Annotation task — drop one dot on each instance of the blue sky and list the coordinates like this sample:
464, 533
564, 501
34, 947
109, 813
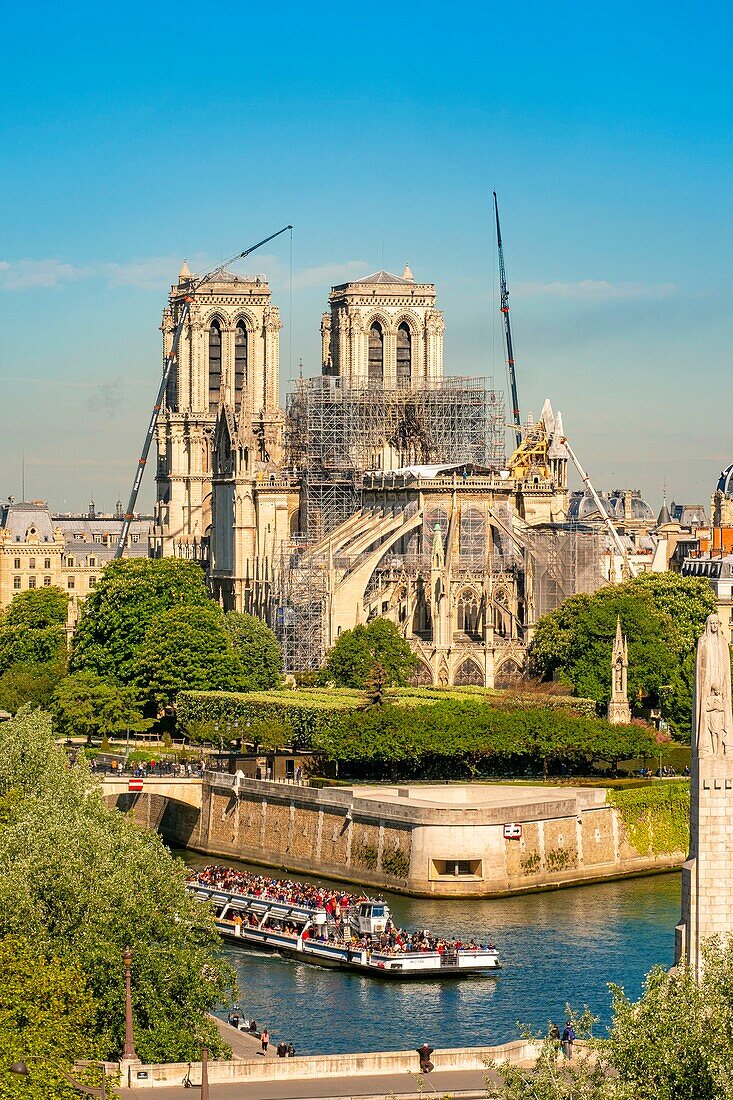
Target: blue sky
134, 135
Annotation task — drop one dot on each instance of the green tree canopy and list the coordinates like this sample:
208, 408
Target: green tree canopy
187, 647
130, 596
33, 628
674, 1043
83, 882
30, 683
85, 705
661, 614
356, 652
46, 1020
257, 650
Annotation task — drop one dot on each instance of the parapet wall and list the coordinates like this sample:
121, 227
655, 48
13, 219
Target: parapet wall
327, 1065
394, 838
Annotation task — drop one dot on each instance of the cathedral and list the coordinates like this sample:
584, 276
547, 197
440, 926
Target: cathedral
381, 490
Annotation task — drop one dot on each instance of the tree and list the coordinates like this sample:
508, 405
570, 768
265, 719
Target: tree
130, 596
187, 647
662, 616
257, 649
83, 882
674, 1043
46, 1020
30, 683
86, 705
357, 651
33, 629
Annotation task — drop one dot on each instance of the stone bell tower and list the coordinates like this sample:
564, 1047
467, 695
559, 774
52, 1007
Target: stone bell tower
228, 355
707, 876
619, 711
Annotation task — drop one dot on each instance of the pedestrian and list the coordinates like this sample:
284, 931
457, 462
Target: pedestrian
291, 1050
282, 1049
424, 1053
265, 1040
555, 1036
568, 1038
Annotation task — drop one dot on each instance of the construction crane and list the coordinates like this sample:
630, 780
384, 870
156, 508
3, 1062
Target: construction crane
516, 418
192, 287
628, 567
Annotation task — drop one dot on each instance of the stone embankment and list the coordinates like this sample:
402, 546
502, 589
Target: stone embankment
326, 1066
473, 840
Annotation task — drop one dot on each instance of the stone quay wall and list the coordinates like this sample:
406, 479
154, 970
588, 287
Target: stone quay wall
393, 840
325, 1065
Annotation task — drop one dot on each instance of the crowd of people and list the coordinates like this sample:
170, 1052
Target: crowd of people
338, 905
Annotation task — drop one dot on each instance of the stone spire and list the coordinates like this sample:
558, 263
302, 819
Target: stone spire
619, 711
184, 273
664, 516
407, 274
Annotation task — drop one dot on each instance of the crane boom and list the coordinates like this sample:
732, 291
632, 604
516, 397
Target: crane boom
504, 307
628, 565
183, 313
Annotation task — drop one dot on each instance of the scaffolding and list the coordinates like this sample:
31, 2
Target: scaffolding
566, 561
336, 432
300, 612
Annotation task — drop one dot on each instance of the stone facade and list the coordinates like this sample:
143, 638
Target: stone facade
383, 330
447, 841
39, 549
228, 357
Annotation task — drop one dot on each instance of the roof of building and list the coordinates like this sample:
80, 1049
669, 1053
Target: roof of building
384, 277
725, 481
689, 515
24, 518
664, 516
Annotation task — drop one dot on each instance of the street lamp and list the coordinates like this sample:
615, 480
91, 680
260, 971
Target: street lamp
129, 1051
21, 1069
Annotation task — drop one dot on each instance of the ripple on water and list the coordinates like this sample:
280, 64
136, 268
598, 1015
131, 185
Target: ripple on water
556, 947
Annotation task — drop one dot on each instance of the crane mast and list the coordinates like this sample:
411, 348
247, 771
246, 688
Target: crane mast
628, 566
516, 418
183, 313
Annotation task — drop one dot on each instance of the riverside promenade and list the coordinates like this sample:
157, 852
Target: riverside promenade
461, 1073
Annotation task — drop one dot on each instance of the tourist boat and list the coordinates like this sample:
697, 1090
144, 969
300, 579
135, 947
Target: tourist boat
301, 932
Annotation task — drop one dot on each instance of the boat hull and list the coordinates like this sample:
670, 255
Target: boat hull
335, 958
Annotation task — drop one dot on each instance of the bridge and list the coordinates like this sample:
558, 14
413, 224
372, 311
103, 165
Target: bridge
173, 788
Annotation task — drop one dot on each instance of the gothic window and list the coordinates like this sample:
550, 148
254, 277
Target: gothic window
473, 537
376, 354
404, 356
240, 359
469, 674
171, 388
214, 365
502, 617
469, 613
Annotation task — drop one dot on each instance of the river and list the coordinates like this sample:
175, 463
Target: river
556, 947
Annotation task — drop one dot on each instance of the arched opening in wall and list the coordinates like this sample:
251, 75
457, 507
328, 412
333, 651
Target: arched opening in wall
473, 537
468, 675
422, 676
508, 674
214, 365
421, 624
468, 614
502, 616
240, 359
404, 356
376, 354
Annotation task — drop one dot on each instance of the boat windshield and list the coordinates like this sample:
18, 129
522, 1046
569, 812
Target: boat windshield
378, 911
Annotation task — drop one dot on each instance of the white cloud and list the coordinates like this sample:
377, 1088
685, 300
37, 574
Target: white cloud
329, 274
35, 274
597, 290
158, 272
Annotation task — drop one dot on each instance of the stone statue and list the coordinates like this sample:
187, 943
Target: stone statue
711, 730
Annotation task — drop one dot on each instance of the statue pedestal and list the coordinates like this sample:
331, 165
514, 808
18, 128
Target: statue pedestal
707, 876
619, 712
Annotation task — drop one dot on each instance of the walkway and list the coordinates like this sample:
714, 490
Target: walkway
458, 1084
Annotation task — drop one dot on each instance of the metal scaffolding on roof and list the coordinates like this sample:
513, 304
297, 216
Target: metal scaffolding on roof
301, 605
336, 432
566, 561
